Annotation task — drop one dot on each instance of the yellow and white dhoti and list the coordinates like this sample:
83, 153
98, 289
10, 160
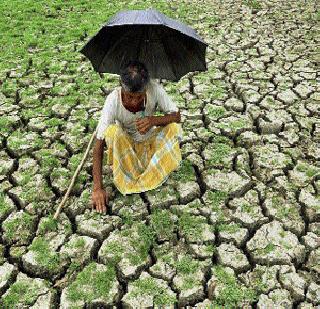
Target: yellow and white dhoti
144, 165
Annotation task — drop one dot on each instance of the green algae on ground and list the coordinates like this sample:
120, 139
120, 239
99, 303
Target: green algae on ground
31, 193
188, 283
63, 26
246, 207
216, 199
267, 249
195, 204
137, 241
204, 133
54, 122
187, 270
7, 124
92, 124
194, 104
47, 160
229, 228
48, 224
168, 193
74, 266
44, 256
287, 212
162, 223
210, 248
219, 153
4, 206
73, 163
149, 286
9, 87
116, 249
309, 170
284, 210
191, 226
127, 217
17, 252
79, 242
91, 283
253, 4
216, 93
20, 292
61, 176
187, 265
221, 139
18, 227
231, 294
26, 177
42, 111
215, 112
141, 244
19, 139
185, 172
234, 124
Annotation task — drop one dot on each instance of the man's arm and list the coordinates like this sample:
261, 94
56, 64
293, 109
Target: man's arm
99, 196
164, 120
97, 163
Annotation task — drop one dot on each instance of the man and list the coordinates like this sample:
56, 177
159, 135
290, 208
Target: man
141, 150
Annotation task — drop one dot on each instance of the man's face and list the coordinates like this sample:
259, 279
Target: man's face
133, 98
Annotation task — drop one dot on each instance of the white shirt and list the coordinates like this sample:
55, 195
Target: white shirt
114, 112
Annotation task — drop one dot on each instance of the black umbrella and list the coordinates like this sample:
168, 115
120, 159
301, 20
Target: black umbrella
169, 48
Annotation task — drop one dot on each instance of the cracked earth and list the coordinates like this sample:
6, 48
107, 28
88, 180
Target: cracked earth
238, 225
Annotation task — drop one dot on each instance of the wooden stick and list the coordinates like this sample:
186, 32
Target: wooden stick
75, 175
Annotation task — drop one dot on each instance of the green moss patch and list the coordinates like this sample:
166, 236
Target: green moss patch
48, 224
191, 226
162, 223
232, 294
18, 228
21, 292
141, 244
150, 286
92, 283
185, 172
44, 256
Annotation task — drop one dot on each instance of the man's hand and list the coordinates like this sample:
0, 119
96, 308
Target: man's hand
144, 124
100, 200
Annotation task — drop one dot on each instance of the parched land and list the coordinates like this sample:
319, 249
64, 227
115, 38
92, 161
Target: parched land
238, 225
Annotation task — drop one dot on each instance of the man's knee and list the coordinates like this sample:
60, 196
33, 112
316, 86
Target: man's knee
118, 128
113, 128
119, 132
110, 132
175, 128
172, 126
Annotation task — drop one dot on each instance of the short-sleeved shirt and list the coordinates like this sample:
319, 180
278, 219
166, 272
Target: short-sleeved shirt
114, 112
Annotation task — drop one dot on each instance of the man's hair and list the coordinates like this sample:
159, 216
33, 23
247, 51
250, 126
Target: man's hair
134, 76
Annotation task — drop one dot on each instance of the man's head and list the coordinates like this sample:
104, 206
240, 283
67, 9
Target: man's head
134, 76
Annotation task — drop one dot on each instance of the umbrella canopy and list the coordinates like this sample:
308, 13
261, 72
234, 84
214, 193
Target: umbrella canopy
167, 47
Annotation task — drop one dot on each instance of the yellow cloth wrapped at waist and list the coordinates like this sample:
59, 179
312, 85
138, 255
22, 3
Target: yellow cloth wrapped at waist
145, 165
